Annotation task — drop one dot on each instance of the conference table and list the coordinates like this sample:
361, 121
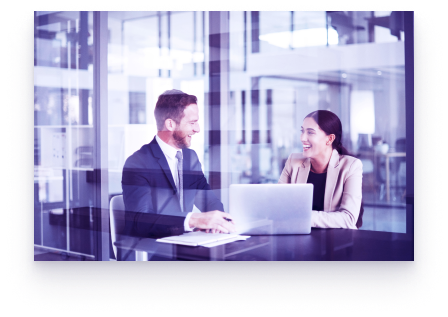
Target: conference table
320, 245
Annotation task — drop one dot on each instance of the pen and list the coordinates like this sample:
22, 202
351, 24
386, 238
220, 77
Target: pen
228, 219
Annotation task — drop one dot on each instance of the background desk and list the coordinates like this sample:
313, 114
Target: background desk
375, 158
320, 245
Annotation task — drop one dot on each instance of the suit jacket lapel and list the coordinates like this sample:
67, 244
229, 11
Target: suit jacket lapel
304, 171
157, 152
332, 178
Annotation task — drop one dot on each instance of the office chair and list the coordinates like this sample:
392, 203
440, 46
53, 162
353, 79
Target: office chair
117, 231
117, 220
400, 164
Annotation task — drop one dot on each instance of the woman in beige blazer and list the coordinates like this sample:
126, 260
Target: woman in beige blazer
336, 175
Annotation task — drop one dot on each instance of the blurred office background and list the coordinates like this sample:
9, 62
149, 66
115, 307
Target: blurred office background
256, 76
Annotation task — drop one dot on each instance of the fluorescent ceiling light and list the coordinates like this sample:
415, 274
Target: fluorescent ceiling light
362, 113
302, 38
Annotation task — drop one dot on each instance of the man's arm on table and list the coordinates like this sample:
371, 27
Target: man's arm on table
213, 216
150, 224
142, 220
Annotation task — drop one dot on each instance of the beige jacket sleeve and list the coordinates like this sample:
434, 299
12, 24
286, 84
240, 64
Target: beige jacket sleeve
346, 202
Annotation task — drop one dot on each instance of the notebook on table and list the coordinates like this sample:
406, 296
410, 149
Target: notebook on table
265, 209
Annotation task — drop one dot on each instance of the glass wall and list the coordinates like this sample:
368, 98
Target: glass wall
275, 68
63, 132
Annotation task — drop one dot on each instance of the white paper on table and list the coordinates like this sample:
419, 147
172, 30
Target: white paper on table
198, 238
214, 244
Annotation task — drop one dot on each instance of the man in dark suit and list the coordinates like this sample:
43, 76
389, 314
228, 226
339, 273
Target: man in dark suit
163, 179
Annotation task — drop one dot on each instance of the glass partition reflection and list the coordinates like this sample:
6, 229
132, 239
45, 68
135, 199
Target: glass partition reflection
282, 66
351, 63
63, 133
274, 69
150, 52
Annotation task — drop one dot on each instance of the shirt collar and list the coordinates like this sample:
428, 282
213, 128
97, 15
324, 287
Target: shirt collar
167, 149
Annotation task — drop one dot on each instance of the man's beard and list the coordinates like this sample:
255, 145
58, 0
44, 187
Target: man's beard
181, 139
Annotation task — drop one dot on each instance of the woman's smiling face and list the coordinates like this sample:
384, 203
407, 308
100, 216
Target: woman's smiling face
315, 141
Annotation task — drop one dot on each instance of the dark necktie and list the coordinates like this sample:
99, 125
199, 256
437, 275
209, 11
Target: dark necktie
180, 179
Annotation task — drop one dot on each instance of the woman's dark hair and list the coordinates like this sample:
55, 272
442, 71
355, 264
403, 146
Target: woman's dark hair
330, 124
171, 105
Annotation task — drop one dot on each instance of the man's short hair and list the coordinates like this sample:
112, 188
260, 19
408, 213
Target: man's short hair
171, 105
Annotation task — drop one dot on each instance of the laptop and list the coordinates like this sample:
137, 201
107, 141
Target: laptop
261, 209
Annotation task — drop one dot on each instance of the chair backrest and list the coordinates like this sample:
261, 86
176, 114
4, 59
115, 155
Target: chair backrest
361, 213
400, 145
117, 219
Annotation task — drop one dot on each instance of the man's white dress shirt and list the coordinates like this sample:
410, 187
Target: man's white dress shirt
170, 154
